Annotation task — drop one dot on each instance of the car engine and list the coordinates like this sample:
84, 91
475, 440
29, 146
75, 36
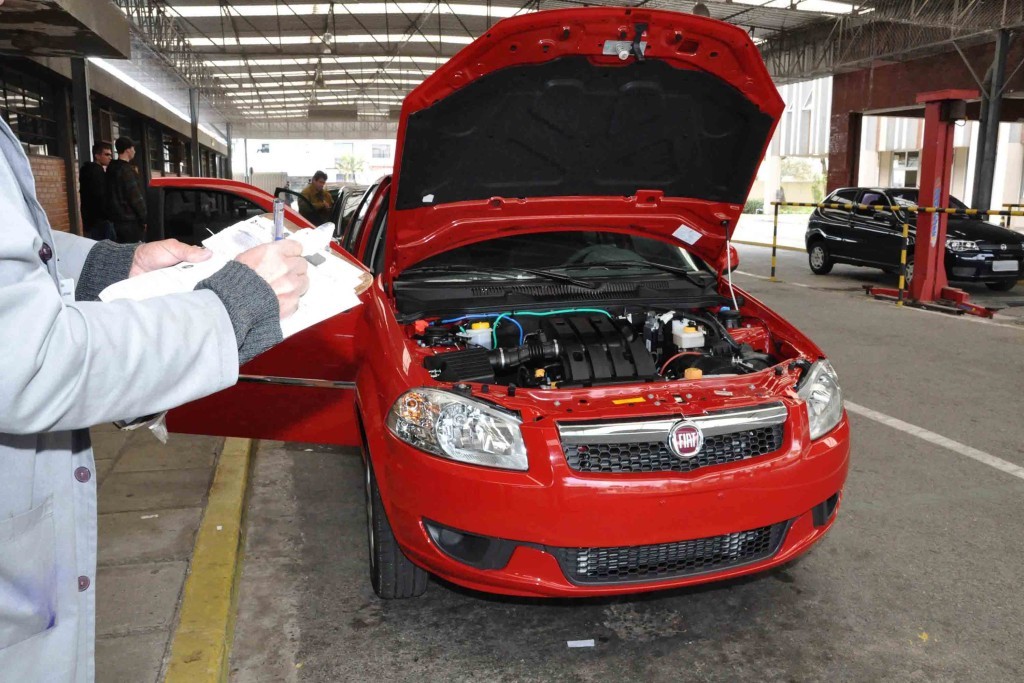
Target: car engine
592, 347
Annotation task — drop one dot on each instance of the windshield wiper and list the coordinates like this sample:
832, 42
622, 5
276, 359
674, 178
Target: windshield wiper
558, 277
642, 263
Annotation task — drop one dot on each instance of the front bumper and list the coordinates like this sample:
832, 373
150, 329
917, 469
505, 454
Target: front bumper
979, 267
548, 515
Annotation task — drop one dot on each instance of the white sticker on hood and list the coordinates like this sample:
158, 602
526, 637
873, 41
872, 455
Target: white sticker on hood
685, 233
428, 198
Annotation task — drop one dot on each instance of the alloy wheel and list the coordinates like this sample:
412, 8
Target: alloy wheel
817, 256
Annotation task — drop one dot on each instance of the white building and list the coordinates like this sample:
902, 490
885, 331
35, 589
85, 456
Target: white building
890, 150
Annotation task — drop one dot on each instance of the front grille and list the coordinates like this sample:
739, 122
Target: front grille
1013, 248
662, 561
654, 456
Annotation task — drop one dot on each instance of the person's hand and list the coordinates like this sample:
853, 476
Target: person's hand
282, 266
155, 255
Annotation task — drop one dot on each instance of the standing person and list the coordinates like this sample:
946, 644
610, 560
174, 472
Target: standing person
318, 198
126, 204
92, 188
69, 361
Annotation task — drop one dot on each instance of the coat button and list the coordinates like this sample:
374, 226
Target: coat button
83, 474
45, 253
83, 583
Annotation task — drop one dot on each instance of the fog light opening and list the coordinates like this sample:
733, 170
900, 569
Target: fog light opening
482, 552
822, 513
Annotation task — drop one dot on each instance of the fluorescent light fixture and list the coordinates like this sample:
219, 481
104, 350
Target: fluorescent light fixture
287, 9
305, 74
149, 94
297, 61
316, 40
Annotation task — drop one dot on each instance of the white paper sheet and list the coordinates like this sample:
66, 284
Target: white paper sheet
684, 233
333, 281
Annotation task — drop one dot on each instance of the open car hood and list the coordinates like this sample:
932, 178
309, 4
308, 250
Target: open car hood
650, 121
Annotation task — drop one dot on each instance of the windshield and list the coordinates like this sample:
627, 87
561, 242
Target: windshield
587, 254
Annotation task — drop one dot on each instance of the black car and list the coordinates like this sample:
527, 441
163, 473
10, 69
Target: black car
976, 251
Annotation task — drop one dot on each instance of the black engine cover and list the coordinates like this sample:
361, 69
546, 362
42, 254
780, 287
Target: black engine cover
595, 348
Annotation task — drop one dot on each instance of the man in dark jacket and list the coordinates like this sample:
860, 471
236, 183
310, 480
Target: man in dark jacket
92, 188
126, 204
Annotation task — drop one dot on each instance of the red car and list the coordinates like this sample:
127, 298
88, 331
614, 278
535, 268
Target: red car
556, 389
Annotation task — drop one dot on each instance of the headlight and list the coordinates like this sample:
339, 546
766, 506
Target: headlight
824, 399
961, 245
458, 428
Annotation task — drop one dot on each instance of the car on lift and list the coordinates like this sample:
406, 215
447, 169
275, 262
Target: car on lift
554, 385
863, 235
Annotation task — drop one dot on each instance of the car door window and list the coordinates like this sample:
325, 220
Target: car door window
193, 215
296, 202
840, 197
374, 255
869, 199
180, 215
345, 208
355, 228
219, 210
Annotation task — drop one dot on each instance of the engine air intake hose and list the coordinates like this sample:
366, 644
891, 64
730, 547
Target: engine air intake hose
532, 351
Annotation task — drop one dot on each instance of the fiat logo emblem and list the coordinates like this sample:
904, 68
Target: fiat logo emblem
1003, 247
685, 440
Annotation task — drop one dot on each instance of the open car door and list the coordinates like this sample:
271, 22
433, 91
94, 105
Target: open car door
303, 389
297, 202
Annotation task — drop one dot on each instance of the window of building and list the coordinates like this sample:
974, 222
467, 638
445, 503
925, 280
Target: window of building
167, 154
154, 148
904, 169
29, 105
381, 152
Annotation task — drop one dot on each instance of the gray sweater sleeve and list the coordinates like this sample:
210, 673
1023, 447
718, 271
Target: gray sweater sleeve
252, 306
107, 263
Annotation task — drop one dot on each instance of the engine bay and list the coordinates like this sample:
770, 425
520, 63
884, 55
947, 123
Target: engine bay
586, 347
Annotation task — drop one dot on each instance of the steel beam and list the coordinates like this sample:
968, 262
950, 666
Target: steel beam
988, 132
227, 136
81, 105
193, 112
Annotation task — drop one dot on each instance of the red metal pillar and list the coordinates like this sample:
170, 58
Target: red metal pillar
941, 111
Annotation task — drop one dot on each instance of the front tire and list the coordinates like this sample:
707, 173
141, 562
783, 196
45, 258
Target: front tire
819, 258
393, 576
1002, 285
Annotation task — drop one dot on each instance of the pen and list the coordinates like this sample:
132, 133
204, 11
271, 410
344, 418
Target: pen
278, 219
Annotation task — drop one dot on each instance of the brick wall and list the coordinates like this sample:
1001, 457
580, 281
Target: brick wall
51, 190
894, 88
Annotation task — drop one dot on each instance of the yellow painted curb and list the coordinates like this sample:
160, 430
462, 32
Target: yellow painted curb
201, 645
769, 245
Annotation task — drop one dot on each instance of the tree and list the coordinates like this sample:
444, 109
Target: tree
796, 168
349, 166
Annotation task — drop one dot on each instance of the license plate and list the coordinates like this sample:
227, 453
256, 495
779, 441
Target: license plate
1004, 266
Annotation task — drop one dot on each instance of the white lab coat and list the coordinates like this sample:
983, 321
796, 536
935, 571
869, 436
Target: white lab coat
65, 366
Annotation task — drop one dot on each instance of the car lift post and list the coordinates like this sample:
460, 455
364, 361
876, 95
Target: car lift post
929, 287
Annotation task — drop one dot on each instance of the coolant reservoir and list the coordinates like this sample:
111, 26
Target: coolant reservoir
478, 334
686, 336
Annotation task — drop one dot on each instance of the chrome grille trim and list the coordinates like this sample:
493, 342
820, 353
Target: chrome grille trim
649, 430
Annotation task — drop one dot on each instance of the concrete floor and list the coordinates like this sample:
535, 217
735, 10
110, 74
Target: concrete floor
918, 581
151, 498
